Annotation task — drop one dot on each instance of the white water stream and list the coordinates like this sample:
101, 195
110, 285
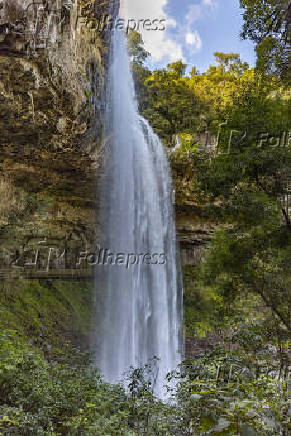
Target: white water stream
140, 306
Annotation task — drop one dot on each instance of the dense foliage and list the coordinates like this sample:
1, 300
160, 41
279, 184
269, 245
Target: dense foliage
219, 394
267, 23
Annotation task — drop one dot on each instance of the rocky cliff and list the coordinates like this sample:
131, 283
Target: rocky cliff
53, 62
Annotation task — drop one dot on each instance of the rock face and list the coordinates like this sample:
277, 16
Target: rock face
194, 227
53, 62
194, 233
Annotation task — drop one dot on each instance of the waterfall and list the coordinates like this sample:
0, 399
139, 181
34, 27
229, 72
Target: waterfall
138, 283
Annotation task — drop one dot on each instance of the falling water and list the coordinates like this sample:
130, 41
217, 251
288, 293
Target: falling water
139, 306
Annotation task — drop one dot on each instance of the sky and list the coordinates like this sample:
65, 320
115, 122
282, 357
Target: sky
194, 30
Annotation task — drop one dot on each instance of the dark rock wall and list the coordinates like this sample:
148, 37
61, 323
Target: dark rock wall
53, 62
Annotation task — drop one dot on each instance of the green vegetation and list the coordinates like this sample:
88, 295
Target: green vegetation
267, 23
51, 313
220, 394
233, 162
40, 397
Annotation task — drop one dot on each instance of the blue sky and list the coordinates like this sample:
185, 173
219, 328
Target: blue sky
195, 29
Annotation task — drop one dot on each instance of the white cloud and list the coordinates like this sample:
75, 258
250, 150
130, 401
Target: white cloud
158, 43
211, 3
194, 40
196, 11
194, 14
162, 46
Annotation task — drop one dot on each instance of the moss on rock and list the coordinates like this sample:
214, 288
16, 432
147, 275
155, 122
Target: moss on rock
49, 312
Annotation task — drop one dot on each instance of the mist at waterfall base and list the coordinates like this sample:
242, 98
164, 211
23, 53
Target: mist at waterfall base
139, 310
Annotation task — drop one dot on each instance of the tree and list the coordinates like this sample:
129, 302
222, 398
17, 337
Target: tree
136, 49
246, 185
140, 73
217, 87
172, 106
177, 67
267, 23
230, 62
